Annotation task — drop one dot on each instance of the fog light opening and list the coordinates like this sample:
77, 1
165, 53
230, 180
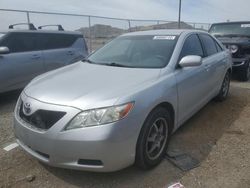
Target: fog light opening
90, 162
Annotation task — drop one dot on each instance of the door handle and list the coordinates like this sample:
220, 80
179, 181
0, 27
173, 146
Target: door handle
207, 67
36, 56
70, 53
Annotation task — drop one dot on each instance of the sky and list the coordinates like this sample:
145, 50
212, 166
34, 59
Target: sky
207, 11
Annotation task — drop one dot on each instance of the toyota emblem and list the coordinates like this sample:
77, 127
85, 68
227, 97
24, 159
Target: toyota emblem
26, 108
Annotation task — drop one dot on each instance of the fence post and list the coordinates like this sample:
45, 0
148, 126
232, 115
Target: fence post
90, 39
28, 17
129, 26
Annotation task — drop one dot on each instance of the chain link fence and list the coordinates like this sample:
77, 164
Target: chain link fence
96, 29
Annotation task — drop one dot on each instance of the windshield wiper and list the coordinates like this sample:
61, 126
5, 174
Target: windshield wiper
116, 64
107, 64
88, 61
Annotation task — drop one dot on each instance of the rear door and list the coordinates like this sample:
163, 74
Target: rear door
214, 63
58, 50
192, 82
22, 64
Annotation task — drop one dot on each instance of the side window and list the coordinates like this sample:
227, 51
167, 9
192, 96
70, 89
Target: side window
55, 41
209, 44
20, 42
219, 48
192, 46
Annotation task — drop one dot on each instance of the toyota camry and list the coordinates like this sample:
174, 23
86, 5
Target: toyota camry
119, 106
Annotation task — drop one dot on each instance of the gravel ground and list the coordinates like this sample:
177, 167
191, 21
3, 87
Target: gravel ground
206, 131
228, 165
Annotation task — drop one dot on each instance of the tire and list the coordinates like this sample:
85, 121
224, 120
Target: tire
244, 73
153, 139
224, 88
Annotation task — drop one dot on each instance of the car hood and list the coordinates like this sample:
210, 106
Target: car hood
85, 86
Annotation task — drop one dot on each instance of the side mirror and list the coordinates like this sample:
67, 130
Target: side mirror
191, 61
4, 50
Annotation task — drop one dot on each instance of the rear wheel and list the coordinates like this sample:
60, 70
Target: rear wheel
224, 88
153, 139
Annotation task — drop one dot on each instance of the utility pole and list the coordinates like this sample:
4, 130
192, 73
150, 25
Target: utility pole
179, 20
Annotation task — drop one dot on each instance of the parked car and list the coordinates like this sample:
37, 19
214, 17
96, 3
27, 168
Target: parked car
120, 105
24, 54
236, 37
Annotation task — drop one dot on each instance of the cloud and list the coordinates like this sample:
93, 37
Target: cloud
139, 9
216, 10
192, 10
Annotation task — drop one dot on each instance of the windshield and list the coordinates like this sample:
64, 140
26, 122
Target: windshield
136, 52
231, 29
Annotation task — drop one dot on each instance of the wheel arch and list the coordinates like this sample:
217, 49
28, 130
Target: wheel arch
169, 107
230, 71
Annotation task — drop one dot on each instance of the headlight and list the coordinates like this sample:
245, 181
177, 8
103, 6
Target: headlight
99, 116
233, 48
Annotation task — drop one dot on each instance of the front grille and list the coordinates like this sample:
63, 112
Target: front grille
41, 119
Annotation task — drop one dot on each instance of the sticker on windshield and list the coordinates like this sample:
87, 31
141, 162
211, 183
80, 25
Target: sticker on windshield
164, 38
245, 25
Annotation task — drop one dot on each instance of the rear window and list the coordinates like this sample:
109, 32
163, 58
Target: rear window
55, 41
209, 44
219, 48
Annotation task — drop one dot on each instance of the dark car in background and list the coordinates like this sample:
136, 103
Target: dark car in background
236, 37
25, 54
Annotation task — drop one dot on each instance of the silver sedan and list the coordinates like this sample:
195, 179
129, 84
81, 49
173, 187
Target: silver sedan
121, 105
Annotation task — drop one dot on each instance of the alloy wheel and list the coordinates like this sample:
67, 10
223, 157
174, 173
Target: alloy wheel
157, 138
225, 86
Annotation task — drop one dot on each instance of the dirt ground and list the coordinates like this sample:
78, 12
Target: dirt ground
218, 136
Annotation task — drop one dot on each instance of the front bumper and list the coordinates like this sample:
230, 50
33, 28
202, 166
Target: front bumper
239, 62
105, 148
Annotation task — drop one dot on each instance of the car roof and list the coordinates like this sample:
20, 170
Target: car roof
41, 31
238, 22
163, 32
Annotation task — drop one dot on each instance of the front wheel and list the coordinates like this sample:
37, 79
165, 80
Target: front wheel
153, 139
224, 88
